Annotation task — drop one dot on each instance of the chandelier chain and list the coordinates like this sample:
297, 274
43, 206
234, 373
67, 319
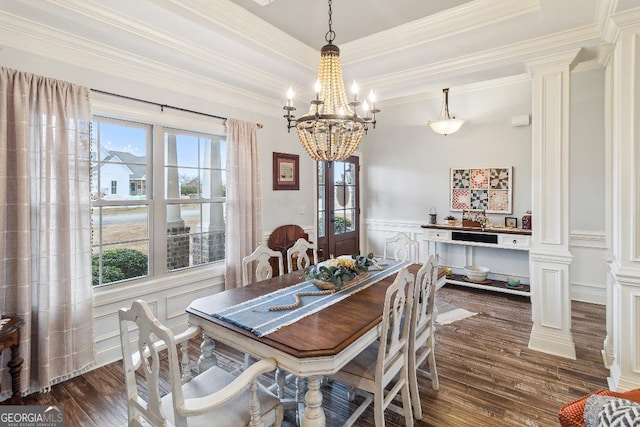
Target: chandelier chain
333, 127
331, 35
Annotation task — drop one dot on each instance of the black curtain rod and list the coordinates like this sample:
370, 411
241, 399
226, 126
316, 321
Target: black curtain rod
163, 106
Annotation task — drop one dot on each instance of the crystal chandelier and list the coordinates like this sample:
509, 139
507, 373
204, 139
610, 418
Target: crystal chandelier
446, 124
332, 128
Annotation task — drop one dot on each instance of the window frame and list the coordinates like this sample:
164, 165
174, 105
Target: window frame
105, 107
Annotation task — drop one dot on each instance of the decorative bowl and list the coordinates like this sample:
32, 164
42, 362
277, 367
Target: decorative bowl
512, 281
321, 284
475, 273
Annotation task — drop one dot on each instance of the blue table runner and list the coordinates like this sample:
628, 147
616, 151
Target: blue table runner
254, 315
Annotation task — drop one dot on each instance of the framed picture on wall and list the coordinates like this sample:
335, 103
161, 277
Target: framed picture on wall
482, 189
286, 171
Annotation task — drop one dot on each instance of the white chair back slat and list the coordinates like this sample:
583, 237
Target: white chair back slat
263, 271
404, 248
422, 341
299, 252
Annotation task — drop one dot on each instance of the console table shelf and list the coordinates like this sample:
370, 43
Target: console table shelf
515, 239
495, 285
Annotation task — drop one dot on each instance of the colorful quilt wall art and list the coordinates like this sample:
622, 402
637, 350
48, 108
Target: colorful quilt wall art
486, 189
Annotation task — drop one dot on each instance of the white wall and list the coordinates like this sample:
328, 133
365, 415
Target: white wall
587, 187
406, 170
407, 164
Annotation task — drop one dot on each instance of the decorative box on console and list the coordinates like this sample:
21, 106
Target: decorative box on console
476, 219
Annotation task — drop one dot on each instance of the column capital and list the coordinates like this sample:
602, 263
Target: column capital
605, 54
554, 61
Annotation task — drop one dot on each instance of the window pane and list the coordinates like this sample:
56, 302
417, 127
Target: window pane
339, 221
195, 234
119, 160
120, 243
349, 220
194, 166
321, 232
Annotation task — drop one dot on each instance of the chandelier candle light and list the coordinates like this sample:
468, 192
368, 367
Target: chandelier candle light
332, 128
446, 124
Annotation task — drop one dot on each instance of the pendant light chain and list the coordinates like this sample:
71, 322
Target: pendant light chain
333, 127
331, 35
446, 104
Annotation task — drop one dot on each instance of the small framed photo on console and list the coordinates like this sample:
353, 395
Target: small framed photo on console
511, 222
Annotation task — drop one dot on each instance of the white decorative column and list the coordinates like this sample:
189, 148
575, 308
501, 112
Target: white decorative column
625, 305
549, 257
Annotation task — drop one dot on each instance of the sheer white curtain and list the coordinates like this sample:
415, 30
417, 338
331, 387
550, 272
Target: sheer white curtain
244, 198
45, 225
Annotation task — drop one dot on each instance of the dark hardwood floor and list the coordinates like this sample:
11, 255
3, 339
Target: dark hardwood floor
488, 376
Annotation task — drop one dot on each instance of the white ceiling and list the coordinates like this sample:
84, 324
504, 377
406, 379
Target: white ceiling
248, 55
307, 20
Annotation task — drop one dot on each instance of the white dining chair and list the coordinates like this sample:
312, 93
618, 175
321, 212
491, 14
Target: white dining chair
403, 247
299, 252
263, 271
422, 333
215, 394
381, 370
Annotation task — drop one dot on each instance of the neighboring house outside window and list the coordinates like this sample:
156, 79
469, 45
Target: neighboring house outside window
163, 208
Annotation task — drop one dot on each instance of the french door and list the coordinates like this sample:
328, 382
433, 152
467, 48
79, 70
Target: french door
338, 208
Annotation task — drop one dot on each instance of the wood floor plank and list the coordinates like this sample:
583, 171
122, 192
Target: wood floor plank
488, 375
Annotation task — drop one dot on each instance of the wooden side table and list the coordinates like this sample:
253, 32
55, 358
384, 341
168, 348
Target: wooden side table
10, 338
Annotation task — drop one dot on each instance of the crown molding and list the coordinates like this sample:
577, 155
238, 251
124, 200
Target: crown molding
245, 26
482, 60
213, 59
471, 87
620, 22
35, 38
469, 16
604, 9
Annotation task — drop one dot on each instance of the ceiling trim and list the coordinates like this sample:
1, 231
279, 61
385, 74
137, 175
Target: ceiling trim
622, 21
480, 60
215, 60
471, 87
448, 23
244, 25
26, 35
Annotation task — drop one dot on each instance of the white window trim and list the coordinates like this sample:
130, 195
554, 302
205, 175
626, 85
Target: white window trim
114, 107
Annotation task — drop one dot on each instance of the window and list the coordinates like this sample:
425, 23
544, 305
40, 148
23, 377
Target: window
171, 215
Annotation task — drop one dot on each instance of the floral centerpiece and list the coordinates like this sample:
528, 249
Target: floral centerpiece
335, 273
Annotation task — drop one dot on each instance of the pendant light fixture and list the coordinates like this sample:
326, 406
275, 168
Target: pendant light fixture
446, 124
332, 128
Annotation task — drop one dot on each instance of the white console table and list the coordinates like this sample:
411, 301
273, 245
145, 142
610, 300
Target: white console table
501, 238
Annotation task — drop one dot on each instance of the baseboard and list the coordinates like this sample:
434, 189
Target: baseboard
588, 293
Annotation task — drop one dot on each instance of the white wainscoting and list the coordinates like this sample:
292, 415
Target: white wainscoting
588, 269
168, 296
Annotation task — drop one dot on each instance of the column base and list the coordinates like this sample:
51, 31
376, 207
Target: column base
552, 341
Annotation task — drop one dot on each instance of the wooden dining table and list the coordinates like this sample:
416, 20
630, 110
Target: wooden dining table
312, 347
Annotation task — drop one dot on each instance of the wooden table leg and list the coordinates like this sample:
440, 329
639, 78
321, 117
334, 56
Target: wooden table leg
313, 413
15, 366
